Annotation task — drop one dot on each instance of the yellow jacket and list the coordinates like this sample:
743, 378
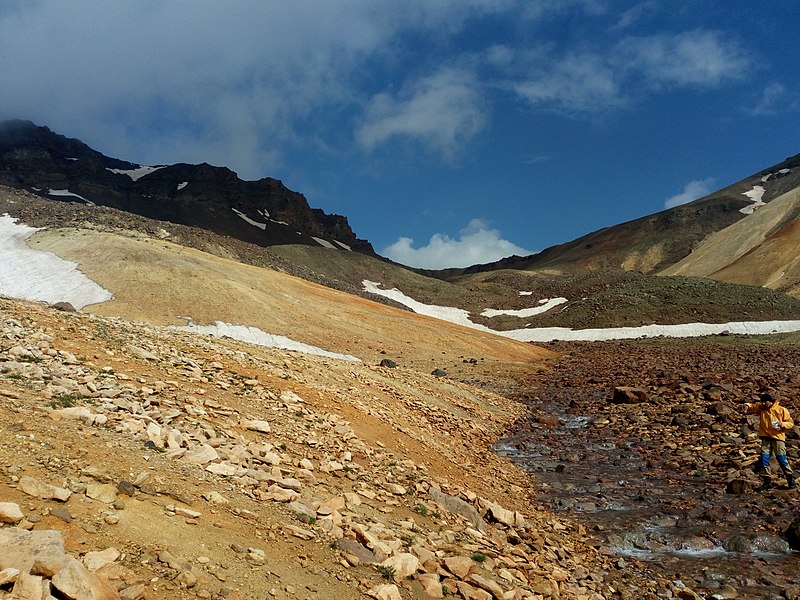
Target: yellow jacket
775, 414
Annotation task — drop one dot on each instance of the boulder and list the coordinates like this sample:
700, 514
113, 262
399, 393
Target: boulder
629, 395
10, 513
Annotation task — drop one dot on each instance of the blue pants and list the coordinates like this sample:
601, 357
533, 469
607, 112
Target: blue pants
778, 448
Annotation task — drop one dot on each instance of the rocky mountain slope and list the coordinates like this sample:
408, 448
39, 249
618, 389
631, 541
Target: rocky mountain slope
745, 233
176, 466
262, 212
603, 298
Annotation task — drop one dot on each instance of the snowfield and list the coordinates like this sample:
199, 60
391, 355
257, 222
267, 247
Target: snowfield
549, 334
32, 275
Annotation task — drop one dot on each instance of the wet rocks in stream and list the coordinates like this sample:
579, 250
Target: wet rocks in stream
646, 442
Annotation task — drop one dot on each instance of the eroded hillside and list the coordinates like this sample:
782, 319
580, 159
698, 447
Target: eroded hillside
215, 469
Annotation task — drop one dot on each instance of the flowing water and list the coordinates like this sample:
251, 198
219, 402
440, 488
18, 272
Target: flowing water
685, 526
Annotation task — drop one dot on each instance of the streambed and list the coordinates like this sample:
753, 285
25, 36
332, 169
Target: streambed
653, 493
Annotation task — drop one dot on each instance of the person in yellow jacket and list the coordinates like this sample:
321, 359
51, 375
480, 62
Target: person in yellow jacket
773, 422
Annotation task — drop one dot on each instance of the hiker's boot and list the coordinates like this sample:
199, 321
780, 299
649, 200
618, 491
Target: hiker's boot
790, 483
766, 484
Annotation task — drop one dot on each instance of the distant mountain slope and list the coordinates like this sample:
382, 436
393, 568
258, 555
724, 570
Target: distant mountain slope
601, 298
663, 242
763, 249
263, 212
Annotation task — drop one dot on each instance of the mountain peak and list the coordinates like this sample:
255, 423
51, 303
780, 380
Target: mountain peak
263, 212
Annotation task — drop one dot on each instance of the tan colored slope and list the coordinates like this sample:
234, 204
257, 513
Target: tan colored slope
774, 264
719, 254
158, 282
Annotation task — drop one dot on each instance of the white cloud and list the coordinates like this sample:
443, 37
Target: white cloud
577, 83
231, 83
773, 99
477, 244
701, 58
599, 78
635, 14
691, 191
444, 110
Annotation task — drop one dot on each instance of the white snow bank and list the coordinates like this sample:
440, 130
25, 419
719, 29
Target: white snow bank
33, 275
548, 334
544, 306
254, 335
67, 193
755, 195
249, 220
324, 243
445, 313
343, 245
137, 173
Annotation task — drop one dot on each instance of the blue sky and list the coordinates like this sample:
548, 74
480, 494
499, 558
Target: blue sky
449, 132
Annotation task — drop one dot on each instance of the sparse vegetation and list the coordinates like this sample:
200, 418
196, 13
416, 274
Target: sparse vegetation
64, 400
386, 572
478, 557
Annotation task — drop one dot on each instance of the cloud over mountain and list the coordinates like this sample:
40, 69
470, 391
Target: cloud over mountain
477, 243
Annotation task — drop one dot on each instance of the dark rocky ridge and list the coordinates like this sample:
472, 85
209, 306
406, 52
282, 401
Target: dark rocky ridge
36, 159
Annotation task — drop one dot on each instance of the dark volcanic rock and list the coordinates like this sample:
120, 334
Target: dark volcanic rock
263, 212
629, 395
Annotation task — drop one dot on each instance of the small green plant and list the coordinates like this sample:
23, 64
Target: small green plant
30, 359
437, 515
348, 469
16, 377
407, 540
386, 572
478, 557
421, 509
63, 401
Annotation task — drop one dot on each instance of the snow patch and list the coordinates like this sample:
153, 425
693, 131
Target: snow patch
549, 334
182, 185
42, 276
544, 305
343, 245
249, 220
254, 335
68, 194
755, 196
137, 173
445, 313
324, 243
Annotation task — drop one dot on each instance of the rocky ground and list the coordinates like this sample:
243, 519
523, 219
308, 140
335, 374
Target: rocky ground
646, 443
142, 462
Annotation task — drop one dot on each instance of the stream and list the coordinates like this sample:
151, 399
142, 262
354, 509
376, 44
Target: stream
684, 525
